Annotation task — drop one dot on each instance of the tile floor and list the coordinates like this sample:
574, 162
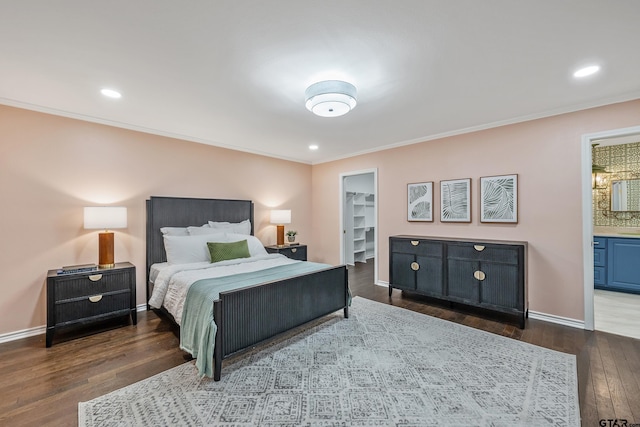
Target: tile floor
617, 313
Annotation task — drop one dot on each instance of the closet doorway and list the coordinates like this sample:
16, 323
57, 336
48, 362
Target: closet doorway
359, 217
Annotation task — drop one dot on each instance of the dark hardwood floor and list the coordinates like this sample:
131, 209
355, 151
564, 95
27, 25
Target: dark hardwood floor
42, 386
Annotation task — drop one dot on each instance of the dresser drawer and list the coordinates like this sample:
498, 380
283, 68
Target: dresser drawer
76, 286
483, 252
85, 308
417, 247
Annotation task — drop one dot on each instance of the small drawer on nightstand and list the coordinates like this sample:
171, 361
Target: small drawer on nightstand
87, 307
298, 252
75, 286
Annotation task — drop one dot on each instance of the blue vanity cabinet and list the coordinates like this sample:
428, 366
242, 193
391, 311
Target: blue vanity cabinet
599, 262
623, 265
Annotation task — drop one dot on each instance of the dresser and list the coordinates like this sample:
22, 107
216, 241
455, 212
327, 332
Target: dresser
90, 297
488, 276
615, 264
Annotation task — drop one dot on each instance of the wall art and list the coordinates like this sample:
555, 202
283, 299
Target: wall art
499, 198
420, 201
455, 200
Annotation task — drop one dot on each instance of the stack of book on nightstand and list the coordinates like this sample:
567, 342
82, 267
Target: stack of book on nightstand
80, 268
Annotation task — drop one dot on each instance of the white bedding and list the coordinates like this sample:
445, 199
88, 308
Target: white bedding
172, 281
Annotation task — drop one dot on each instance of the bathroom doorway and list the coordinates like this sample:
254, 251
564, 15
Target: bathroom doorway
606, 309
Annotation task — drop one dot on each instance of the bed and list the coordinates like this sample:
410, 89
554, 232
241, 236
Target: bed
252, 314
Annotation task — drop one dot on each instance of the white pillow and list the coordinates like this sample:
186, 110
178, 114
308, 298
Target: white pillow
243, 227
179, 231
255, 245
198, 231
187, 249
174, 231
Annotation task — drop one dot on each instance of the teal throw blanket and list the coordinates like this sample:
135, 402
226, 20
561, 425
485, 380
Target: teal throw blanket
198, 330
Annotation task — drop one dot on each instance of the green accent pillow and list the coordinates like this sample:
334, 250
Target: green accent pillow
224, 251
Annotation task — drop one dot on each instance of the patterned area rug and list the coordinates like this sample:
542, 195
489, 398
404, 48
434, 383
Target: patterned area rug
384, 366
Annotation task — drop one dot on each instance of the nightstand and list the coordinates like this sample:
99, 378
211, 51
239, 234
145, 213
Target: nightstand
298, 252
87, 297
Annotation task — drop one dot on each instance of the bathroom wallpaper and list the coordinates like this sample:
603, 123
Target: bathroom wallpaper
623, 162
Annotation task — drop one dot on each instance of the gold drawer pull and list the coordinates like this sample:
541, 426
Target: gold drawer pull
95, 277
478, 248
479, 275
95, 298
415, 266
415, 242
294, 250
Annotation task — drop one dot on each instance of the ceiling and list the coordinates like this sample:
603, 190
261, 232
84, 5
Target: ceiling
233, 73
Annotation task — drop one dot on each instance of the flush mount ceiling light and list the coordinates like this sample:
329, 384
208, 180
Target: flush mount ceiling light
330, 98
586, 71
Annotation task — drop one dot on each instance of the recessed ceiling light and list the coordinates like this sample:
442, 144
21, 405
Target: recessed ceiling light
313, 147
586, 71
111, 93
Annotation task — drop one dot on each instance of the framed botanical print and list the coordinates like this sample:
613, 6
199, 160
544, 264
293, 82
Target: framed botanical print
420, 201
455, 200
499, 198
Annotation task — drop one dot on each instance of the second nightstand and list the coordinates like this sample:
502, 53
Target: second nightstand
298, 252
87, 297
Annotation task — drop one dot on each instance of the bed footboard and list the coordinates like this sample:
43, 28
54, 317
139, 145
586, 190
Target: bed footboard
247, 316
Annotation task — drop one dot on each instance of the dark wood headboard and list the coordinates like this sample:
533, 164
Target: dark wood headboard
184, 212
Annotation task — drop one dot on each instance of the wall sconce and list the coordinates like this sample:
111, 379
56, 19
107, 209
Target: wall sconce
599, 177
280, 217
106, 218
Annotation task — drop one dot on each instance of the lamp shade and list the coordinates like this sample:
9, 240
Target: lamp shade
105, 217
281, 216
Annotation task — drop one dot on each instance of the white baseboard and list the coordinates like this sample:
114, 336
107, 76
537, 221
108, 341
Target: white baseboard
25, 333
40, 330
551, 318
579, 324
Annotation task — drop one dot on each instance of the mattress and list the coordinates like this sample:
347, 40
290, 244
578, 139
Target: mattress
172, 281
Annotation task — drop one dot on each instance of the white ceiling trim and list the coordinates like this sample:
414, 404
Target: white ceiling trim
608, 101
578, 107
136, 128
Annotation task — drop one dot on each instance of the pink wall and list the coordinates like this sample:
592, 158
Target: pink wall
546, 155
51, 167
